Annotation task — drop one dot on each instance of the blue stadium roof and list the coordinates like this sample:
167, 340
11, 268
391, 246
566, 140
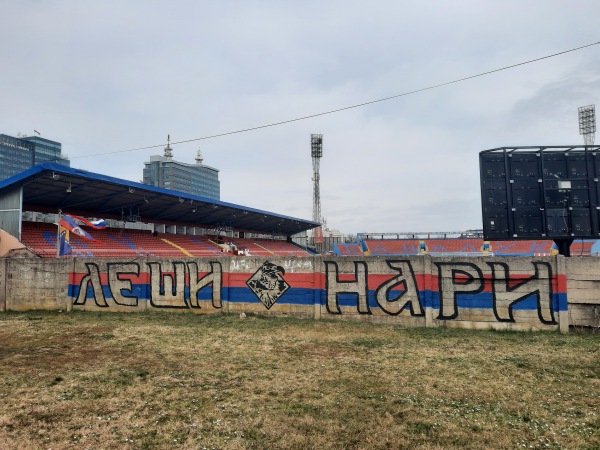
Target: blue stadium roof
51, 187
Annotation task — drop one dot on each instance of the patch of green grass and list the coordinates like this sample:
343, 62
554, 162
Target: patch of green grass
368, 343
420, 427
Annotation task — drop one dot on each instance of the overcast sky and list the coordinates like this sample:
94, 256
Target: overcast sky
105, 76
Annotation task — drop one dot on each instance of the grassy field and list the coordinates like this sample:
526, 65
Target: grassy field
150, 380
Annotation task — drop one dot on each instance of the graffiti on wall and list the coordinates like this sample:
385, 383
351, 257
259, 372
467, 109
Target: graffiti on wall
268, 283
507, 292
181, 285
392, 296
453, 290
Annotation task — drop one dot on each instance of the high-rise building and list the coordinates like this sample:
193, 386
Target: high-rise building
21, 153
196, 179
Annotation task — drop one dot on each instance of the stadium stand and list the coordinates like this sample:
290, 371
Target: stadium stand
260, 247
197, 246
40, 237
582, 248
473, 246
189, 224
247, 246
347, 250
281, 248
116, 242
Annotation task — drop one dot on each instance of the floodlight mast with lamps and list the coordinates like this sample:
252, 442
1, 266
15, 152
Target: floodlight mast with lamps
316, 151
587, 123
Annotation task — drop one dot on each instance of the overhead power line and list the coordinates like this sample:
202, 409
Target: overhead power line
345, 108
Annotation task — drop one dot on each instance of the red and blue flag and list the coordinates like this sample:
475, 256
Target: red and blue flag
99, 224
69, 223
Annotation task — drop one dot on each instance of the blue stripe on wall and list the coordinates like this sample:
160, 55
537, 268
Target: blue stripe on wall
306, 296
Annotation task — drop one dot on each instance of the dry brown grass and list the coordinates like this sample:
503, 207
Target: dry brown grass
84, 380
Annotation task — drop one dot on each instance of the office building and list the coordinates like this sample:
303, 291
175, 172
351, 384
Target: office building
21, 153
196, 179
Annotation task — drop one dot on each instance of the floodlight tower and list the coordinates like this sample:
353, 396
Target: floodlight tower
587, 123
316, 151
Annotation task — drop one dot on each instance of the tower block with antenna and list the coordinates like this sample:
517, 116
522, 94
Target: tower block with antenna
316, 151
168, 149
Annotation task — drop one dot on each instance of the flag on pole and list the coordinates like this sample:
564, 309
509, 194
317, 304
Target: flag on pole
99, 224
69, 223
64, 247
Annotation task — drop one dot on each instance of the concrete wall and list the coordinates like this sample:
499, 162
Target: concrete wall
583, 281
501, 293
35, 284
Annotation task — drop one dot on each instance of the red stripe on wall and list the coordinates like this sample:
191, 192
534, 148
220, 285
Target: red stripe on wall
307, 280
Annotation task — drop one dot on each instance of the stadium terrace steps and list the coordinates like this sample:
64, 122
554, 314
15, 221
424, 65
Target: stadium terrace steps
250, 244
348, 250
383, 247
196, 245
281, 248
266, 247
125, 243
411, 246
580, 248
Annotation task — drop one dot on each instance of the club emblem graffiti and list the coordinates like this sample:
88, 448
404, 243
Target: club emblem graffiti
268, 284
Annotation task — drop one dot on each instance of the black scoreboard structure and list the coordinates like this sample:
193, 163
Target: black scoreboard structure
545, 192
